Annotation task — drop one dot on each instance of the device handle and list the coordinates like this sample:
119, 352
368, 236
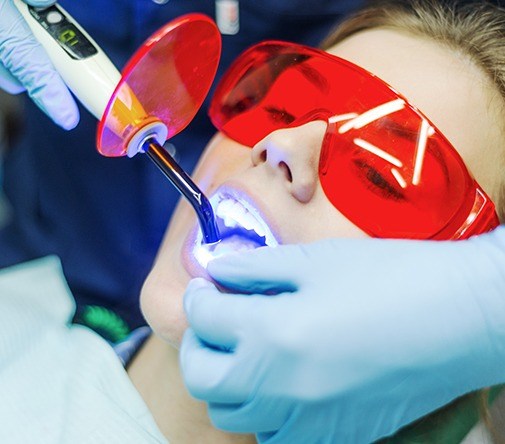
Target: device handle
84, 67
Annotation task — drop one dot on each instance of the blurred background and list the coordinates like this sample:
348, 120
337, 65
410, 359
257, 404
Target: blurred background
10, 128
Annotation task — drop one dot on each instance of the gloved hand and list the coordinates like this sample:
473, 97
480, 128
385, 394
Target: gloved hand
24, 65
360, 338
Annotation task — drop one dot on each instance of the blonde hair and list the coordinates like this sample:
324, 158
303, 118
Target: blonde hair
475, 29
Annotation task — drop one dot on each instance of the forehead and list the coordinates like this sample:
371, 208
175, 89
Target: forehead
445, 85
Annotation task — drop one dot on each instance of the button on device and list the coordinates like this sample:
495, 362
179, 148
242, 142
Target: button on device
160, 2
54, 17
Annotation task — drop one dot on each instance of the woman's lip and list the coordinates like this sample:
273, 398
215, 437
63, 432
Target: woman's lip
233, 190
190, 264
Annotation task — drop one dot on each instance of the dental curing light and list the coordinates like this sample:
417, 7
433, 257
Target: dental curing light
158, 94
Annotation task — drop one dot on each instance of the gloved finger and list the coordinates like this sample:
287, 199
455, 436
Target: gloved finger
9, 83
28, 62
218, 318
205, 371
261, 415
262, 270
314, 423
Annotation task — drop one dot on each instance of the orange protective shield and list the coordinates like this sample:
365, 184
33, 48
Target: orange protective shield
166, 80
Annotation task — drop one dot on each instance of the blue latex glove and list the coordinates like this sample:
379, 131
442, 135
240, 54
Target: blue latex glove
24, 65
364, 336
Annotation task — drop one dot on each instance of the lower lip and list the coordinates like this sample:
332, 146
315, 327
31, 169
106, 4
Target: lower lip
195, 267
191, 265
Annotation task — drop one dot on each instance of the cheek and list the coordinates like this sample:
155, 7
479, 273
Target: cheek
319, 220
161, 295
337, 225
333, 225
223, 159
161, 302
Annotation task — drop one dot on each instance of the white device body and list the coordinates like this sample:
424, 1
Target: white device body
92, 79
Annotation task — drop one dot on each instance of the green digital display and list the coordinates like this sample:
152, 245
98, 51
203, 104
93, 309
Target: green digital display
68, 37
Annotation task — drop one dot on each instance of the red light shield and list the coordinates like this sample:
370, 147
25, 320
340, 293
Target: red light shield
166, 80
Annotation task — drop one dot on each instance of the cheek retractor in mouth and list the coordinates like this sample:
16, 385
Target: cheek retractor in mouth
241, 226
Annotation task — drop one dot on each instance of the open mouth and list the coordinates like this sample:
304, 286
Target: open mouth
241, 227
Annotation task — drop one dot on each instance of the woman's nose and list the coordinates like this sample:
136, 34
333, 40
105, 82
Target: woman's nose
294, 154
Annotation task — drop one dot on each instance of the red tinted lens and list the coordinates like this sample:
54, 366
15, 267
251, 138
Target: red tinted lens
166, 80
383, 165
394, 179
271, 86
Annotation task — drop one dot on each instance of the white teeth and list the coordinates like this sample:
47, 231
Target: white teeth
224, 210
230, 222
260, 230
248, 221
224, 207
239, 213
234, 213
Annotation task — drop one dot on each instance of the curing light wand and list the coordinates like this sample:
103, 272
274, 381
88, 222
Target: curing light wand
157, 95
172, 170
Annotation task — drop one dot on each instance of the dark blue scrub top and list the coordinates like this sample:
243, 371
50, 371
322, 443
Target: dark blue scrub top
105, 217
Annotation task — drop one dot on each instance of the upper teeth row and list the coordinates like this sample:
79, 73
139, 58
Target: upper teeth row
234, 214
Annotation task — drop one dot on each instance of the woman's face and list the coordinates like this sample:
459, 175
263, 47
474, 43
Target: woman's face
277, 180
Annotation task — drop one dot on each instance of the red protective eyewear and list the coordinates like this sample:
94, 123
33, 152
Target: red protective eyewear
383, 164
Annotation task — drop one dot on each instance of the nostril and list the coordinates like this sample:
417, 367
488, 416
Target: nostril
283, 166
258, 155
